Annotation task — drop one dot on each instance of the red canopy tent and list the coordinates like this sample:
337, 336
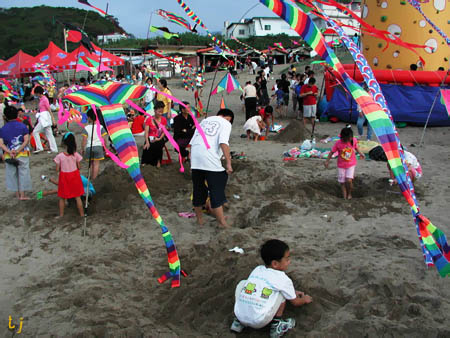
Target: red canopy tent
108, 59
70, 61
12, 66
2, 62
50, 56
329, 31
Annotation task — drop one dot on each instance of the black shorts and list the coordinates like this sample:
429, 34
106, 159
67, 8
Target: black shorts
216, 181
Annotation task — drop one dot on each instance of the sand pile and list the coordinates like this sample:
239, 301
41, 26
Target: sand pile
294, 132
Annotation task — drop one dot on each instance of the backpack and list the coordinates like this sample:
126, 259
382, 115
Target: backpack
378, 154
298, 88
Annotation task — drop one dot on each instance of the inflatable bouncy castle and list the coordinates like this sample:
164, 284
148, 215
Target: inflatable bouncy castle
410, 93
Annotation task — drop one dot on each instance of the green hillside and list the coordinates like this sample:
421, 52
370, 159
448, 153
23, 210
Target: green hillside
32, 28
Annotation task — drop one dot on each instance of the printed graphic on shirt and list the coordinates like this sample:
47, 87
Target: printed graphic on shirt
250, 288
266, 293
16, 142
346, 153
210, 127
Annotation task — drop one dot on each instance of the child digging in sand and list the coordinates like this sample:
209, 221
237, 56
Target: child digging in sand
68, 169
261, 298
346, 163
254, 126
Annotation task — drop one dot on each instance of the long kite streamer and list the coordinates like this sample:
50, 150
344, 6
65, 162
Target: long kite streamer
190, 13
172, 17
182, 62
416, 5
115, 159
165, 131
110, 96
434, 241
85, 2
245, 45
375, 89
197, 125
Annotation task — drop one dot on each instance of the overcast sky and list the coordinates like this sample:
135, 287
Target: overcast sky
134, 15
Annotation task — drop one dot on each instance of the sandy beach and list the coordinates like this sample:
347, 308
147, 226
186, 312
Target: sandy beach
360, 260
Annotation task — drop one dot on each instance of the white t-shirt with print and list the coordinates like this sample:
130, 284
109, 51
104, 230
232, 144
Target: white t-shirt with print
217, 131
87, 132
149, 94
259, 295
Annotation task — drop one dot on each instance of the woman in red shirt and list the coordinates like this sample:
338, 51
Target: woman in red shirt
154, 137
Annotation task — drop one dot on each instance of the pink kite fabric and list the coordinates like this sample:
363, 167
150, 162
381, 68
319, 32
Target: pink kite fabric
168, 135
445, 99
100, 137
228, 83
197, 125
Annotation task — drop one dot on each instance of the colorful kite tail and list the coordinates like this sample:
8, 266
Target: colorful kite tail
126, 148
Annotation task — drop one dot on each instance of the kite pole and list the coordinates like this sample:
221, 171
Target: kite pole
212, 84
85, 17
322, 92
149, 24
101, 49
86, 202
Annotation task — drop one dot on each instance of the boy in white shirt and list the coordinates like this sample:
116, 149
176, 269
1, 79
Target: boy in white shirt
261, 298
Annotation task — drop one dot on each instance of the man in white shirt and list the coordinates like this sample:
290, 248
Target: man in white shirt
208, 174
250, 100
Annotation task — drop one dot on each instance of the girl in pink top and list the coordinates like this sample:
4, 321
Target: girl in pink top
346, 163
68, 168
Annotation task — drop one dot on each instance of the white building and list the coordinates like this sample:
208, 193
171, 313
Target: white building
346, 19
258, 26
111, 37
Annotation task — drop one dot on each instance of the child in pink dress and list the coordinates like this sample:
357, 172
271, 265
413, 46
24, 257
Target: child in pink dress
68, 168
346, 163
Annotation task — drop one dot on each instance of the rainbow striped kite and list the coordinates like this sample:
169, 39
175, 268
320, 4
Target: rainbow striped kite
432, 240
110, 96
228, 83
172, 17
445, 99
91, 66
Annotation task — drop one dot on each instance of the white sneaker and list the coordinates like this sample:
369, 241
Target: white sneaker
279, 327
236, 326
37, 151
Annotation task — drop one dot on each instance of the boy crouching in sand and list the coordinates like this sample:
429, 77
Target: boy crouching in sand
261, 298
